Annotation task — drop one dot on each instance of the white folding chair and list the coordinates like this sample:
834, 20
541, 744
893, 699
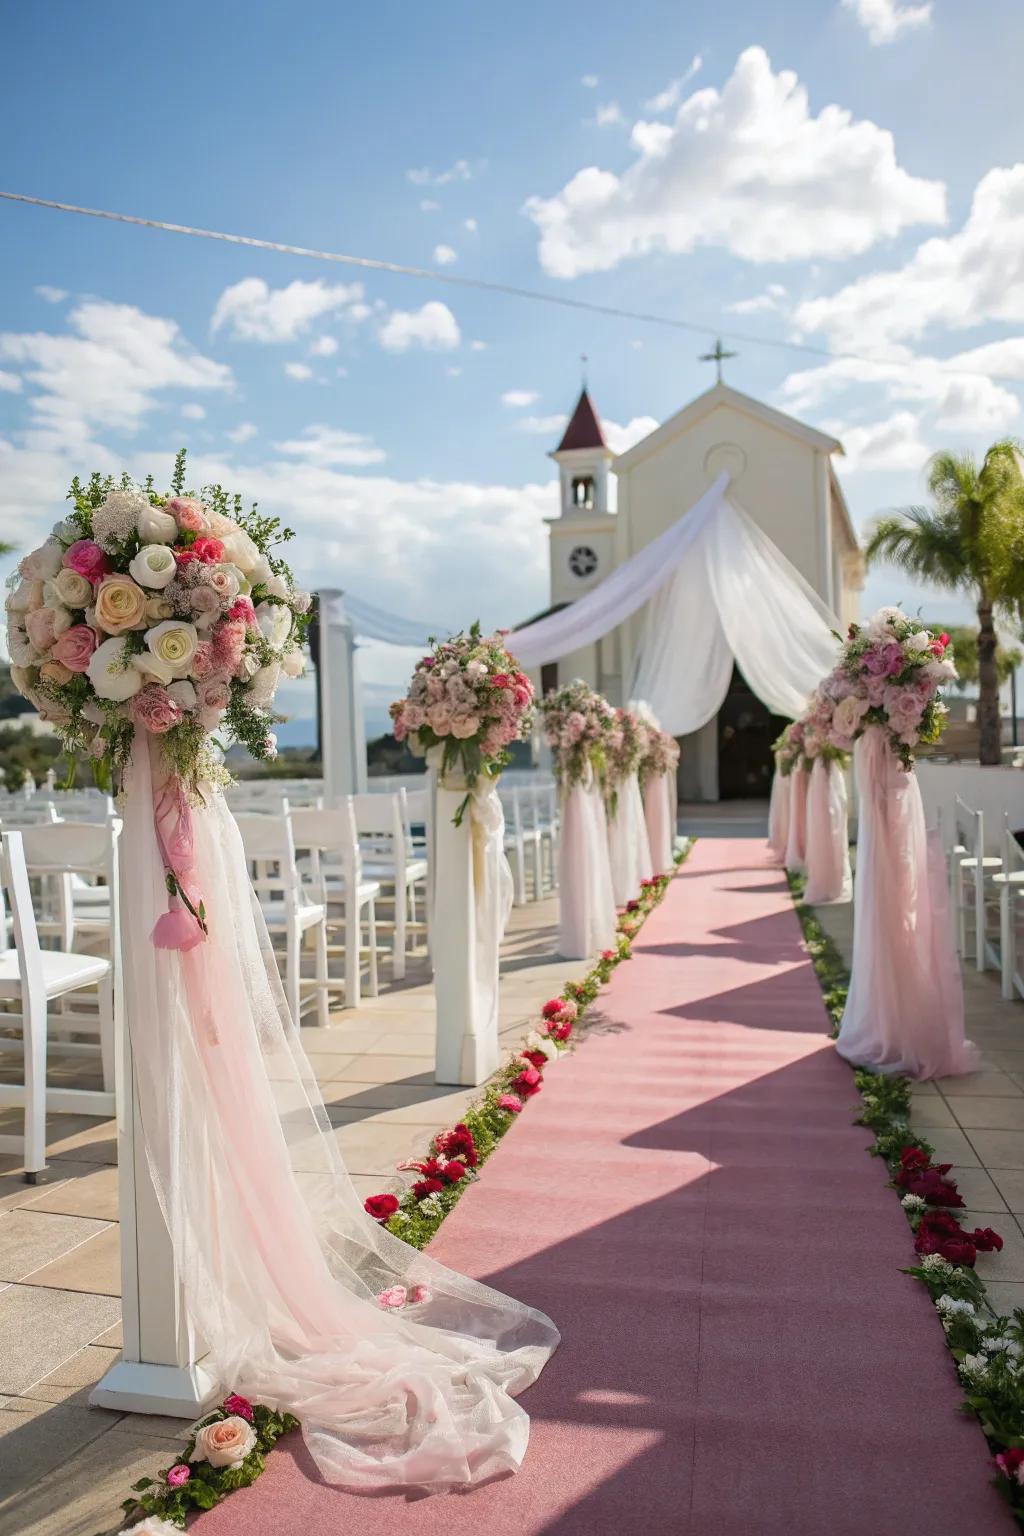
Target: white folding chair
515, 843
381, 828
288, 912
335, 879
969, 865
418, 815
31, 978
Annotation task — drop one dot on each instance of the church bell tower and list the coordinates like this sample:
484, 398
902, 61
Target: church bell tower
583, 535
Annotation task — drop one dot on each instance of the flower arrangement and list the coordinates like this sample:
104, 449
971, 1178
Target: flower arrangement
577, 722
625, 745
469, 701
660, 756
161, 612
889, 675
789, 748
456, 1155
226, 1451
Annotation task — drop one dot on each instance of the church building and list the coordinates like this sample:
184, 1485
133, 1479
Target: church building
781, 473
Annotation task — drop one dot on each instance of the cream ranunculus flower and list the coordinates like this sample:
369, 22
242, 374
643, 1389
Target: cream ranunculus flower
111, 672
225, 1442
152, 668
154, 566
275, 622
157, 526
158, 608
240, 550
71, 589
120, 605
174, 641
293, 662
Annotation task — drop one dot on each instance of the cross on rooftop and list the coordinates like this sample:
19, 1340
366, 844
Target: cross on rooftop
717, 356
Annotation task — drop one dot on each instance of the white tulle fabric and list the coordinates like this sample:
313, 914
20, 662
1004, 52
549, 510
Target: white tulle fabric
719, 591
586, 903
280, 1264
827, 854
905, 1009
796, 833
629, 851
659, 814
778, 814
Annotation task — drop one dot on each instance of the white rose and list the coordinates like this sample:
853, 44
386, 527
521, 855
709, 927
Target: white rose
275, 622
222, 526
157, 526
71, 589
153, 1525
293, 662
240, 550
111, 672
158, 608
174, 641
154, 566
23, 652
152, 668
261, 572
26, 595
183, 693
301, 601
918, 642
847, 715
43, 563
264, 683
248, 666
276, 586
225, 1442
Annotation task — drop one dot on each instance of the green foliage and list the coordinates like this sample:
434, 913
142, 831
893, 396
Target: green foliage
25, 754
964, 644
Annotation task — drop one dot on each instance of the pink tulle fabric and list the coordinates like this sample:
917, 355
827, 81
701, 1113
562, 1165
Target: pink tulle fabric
905, 1010
796, 832
280, 1266
778, 814
827, 854
177, 928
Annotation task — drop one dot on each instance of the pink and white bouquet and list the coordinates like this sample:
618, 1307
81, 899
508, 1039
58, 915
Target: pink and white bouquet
160, 613
625, 745
889, 675
469, 699
577, 722
660, 757
789, 748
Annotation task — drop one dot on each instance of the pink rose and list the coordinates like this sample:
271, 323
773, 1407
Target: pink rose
214, 692
202, 660
86, 557
393, 1298
225, 1442
44, 624
243, 609
205, 605
74, 648
439, 718
510, 1102
153, 708
178, 1475
229, 644
234, 1403
188, 514
464, 726
419, 1295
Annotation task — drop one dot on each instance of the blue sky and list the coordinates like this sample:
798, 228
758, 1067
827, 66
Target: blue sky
841, 170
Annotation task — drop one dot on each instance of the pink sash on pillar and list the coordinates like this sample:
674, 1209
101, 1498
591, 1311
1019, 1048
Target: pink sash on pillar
828, 838
796, 841
778, 813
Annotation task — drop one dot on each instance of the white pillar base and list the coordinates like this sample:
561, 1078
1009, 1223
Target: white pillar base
134, 1386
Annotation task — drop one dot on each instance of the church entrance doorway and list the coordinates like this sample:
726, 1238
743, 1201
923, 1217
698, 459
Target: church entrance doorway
746, 730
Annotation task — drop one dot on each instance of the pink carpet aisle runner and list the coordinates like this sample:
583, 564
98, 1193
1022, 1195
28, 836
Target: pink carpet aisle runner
690, 1202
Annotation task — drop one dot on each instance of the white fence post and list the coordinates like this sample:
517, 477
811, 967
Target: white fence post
343, 733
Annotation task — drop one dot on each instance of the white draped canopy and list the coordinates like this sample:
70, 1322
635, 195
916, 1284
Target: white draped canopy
718, 592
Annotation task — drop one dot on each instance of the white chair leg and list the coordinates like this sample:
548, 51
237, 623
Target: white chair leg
323, 1012
538, 870
519, 875
33, 1028
1006, 940
107, 1048
371, 923
293, 971
398, 943
979, 915
353, 933
961, 912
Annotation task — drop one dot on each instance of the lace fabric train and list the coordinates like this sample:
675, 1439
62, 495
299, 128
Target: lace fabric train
280, 1265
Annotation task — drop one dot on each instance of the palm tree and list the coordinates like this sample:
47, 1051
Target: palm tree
971, 540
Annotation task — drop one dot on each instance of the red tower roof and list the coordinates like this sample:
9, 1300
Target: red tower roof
584, 429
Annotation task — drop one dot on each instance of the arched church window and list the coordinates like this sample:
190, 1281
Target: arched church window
583, 492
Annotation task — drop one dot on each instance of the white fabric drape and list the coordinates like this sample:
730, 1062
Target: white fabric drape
778, 814
629, 851
718, 591
586, 904
659, 813
280, 1265
796, 839
827, 853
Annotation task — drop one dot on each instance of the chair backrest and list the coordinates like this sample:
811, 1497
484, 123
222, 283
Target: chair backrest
416, 807
316, 831
380, 826
968, 828
20, 814
26, 936
56, 851
269, 851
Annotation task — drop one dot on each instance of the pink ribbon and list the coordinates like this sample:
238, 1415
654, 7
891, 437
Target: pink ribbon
183, 925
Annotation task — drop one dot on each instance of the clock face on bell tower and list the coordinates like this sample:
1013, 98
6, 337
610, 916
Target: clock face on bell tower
582, 560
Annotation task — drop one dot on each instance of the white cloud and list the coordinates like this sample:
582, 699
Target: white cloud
665, 100
544, 426
243, 432
747, 168
323, 346
433, 326
193, 412
620, 438
770, 301
591, 82
884, 445
886, 20
453, 372
608, 115
957, 280
444, 255
428, 205
330, 446
471, 225
519, 398
106, 371
10, 383
424, 177
478, 346
253, 311
298, 371
51, 295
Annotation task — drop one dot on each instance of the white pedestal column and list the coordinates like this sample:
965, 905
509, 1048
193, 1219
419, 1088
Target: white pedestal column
343, 733
159, 1370
465, 979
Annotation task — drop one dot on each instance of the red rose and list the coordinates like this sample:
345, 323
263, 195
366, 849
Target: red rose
941, 1222
209, 551
536, 1057
380, 1207
241, 1406
185, 556
454, 1171
562, 1031
933, 1188
913, 1158
458, 1142
985, 1240
426, 1187
607, 954
527, 1083
553, 1008
632, 906
1010, 1462
501, 680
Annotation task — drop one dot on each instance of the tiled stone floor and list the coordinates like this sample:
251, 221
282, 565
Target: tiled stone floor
977, 1122
64, 1466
